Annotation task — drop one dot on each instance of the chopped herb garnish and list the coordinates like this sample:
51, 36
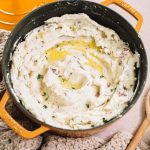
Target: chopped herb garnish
53, 116
59, 76
39, 76
103, 35
63, 79
124, 88
92, 125
87, 105
112, 90
44, 94
73, 88
45, 106
131, 85
57, 45
46, 99
73, 28
104, 120
101, 76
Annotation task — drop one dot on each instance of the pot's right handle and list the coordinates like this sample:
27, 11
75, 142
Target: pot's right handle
5, 116
129, 9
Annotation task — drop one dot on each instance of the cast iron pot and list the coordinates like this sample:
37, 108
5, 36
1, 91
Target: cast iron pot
101, 15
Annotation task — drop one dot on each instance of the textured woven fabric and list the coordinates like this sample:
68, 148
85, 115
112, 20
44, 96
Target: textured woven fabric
11, 141
60, 143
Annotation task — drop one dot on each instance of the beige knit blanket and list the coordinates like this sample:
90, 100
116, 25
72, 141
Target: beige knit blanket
11, 141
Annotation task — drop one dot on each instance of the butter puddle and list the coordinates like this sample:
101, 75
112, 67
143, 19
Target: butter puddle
69, 85
54, 55
61, 50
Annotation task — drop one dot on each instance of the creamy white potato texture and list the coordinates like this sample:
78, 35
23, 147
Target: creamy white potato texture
73, 73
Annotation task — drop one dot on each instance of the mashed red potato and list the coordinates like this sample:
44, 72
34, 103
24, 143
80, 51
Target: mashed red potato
73, 73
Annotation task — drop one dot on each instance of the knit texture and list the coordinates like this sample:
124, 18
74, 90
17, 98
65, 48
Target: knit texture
11, 141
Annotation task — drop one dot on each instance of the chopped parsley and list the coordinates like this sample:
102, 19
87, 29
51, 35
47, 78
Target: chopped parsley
46, 99
112, 90
53, 116
104, 120
124, 88
101, 76
63, 79
73, 88
92, 125
45, 106
39, 76
57, 45
131, 85
44, 94
87, 105
73, 28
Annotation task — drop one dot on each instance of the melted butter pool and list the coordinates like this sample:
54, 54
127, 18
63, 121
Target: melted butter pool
61, 50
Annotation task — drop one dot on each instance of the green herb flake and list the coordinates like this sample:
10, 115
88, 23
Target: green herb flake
131, 85
73, 88
39, 76
44, 94
92, 126
87, 105
46, 99
112, 90
53, 116
45, 106
104, 120
63, 79
101, 76
73, 28
56, 46
124, 88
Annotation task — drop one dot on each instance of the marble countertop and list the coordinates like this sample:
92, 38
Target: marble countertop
131, 121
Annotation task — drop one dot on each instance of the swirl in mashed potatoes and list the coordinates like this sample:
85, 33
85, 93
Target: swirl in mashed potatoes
73, 73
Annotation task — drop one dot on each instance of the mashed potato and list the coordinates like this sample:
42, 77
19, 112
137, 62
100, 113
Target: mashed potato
73, 73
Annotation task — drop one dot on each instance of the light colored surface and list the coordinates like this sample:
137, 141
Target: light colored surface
61, 101
131, 121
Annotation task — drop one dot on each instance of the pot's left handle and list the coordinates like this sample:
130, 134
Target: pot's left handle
4, 115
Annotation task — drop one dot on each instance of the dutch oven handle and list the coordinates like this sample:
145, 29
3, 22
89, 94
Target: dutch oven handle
129, 9
4, 115
14, 125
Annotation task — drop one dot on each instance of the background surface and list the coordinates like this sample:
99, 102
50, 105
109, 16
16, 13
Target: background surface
131, 121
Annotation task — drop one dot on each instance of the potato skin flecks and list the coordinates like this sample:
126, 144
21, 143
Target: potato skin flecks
73, 73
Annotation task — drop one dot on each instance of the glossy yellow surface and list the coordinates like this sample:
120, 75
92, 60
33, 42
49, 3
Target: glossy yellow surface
69, 85
58, 53
55, 55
